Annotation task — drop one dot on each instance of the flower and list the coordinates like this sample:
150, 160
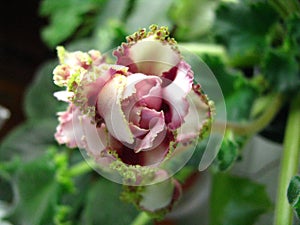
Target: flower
133, 115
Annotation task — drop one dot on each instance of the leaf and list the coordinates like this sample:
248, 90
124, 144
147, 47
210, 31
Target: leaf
65, 17
243, 27
227, 154
37, 192
148, 12
281, 69
236, 200
28, 140
293, 27
293, 194
39, 101
193, 19
103, 205
239, 93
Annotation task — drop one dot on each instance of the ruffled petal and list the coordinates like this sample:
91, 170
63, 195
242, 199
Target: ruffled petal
65, 132
198, 116
144, 158
156, 127
142, 89
94, 138
77, 130
72, 64
150, 53
87, 89
137, 131
175, 92
159, 153
109, 108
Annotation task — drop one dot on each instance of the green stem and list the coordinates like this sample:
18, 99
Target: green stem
141, 219
261, 122
80, 168
289, 164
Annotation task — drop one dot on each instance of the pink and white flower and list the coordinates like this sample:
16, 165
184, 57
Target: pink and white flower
136, 111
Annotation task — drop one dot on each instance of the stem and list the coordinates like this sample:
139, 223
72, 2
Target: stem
141, 219
80, 168
289, 163
261, 122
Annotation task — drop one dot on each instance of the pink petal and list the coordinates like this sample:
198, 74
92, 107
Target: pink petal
109, 108
149, 53
137, 131
76, 130
149, 92
141, 91
175, 93
92, 82
158, 154
198, 115
144, 158
94, 138
156, 125
65, 133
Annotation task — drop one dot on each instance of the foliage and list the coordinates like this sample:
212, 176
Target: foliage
252, 47
294, 194
243, 202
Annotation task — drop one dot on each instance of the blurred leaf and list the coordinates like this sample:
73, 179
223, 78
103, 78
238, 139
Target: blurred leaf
7, 169
37, 192
39, 100
192, 18
103, 205
243, 26
110, 35
293, 194
281, 69
28, 141
293, 27
227, 154
236, 200
6, 193
146, 13
110, 31
65, 17
238, 91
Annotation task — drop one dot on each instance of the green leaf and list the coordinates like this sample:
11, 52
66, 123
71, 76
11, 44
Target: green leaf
63, 25
281, 70
103, 205
227, 154
66, 17
293, 194
37, 192
28, 141
243, 27
146, 13
293, 27
239, 93
236, 200
193, 19
39, 100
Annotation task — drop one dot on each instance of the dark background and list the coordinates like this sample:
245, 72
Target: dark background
21, 53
